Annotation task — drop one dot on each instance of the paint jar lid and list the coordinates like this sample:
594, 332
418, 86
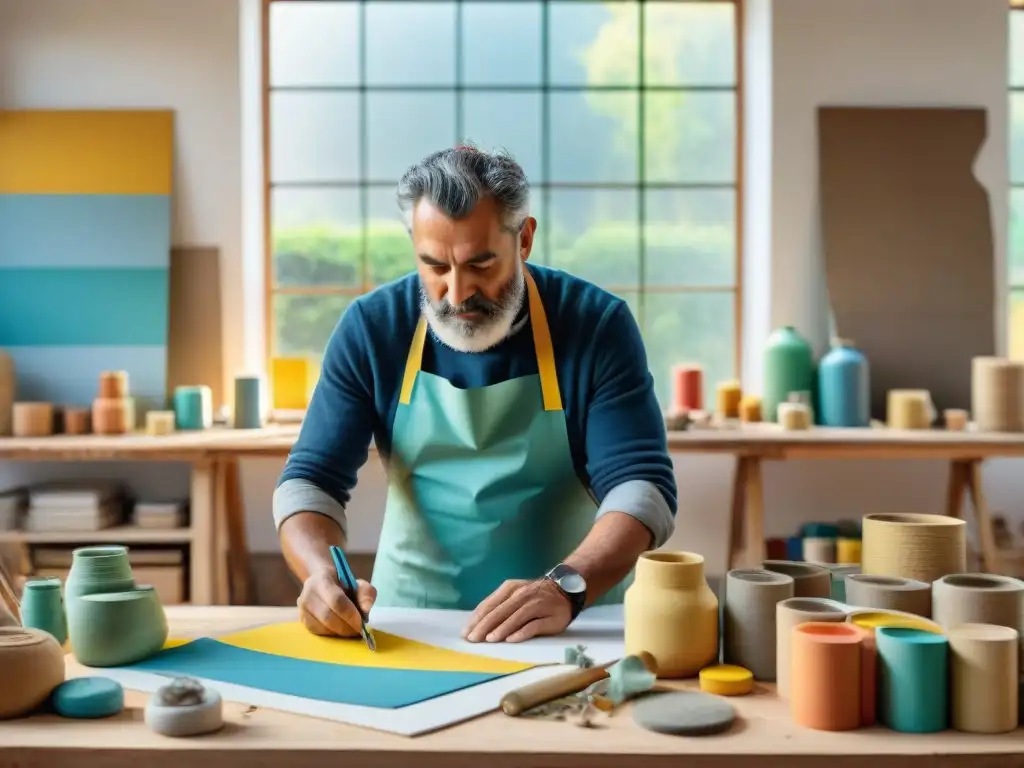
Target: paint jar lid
726, 680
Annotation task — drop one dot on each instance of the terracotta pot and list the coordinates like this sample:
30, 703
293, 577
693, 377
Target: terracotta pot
671, 613
790, 613
31, 666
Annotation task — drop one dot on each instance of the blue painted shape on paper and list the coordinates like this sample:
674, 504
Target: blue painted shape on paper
337, 683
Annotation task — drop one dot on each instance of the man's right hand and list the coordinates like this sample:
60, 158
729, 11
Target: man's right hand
325, 609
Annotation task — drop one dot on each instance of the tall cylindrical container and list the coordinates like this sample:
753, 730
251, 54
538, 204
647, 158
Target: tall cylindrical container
979, 598
825, 687
7, 387
984, 671
193, 408
671, 613
687, 388
749, 619
844, 387
913, 679
249, 402
788, 614
788, 367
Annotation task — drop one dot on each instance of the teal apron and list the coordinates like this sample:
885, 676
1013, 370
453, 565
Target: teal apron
481, 484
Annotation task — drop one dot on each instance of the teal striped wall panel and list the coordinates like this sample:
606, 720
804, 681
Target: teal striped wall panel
84, 288
85, 231
83, 307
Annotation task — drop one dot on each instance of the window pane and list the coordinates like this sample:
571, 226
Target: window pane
1016, 249
503, 120
388, 248
1016, 314
594, 235
314, 136
594, 43
317, 237
304, 323
686, 327
593, 137
1017, 138
314, 43
690, 137
410, 43
689, 44
690, 237
403, 127
1017, 48
511, 57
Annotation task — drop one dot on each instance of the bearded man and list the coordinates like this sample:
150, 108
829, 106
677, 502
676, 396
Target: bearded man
513, 409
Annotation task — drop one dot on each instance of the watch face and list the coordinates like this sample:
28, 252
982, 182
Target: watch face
572, 583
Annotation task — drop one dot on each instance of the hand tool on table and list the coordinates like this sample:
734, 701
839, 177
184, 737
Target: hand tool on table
348, 584
533, 695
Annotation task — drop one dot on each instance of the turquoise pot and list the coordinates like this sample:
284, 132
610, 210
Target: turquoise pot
42, 607
788, 367
913, 679
111, 629
844, 388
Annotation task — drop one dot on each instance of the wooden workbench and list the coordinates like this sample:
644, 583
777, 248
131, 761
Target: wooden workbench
764, 736
219, 563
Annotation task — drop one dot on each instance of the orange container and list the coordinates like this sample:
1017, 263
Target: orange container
825, 679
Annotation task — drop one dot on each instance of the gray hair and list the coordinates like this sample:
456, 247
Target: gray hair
455, 180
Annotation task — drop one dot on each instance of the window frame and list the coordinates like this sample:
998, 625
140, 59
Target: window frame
736, 289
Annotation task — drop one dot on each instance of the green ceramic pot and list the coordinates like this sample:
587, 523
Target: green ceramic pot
111, 629
98, 569
788, 367
42, 607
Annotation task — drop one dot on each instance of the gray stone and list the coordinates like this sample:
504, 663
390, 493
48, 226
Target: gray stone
684, 713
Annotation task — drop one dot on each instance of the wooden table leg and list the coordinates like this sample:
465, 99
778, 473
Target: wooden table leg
990, 559
738, 513
202, 505
238, 545
757, 547
959, 478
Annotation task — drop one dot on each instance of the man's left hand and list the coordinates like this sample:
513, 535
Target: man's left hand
519, 610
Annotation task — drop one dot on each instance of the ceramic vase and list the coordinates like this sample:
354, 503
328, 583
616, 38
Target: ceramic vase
671, 613
749, 619
31, 666
110, 629
98, 569
788, 367
42, 607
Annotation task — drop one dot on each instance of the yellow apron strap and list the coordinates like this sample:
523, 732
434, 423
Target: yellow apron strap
544, 348
541, 341
414, 361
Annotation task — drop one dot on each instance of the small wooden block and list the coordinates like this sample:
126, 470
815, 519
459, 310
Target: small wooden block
159, 422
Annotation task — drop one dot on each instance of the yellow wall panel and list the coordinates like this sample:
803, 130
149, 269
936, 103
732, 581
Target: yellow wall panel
112, 152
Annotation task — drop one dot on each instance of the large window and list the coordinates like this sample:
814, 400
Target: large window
623, 113
1015, 252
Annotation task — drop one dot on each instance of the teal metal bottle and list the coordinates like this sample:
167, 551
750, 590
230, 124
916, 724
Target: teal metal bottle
844, 387
788, 367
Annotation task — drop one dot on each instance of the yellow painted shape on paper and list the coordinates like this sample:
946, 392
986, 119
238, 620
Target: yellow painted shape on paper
293, 640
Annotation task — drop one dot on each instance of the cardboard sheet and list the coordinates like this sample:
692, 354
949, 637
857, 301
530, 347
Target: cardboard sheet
195, 346
908, 249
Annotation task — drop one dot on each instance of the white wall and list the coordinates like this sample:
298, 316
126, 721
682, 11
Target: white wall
185, 54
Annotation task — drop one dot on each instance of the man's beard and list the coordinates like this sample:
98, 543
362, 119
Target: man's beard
492, 325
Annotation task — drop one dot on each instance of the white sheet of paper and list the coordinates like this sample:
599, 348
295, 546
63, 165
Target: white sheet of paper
599, 629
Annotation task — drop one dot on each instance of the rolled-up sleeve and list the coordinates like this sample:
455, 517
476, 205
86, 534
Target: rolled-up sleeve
334, 441
628, 462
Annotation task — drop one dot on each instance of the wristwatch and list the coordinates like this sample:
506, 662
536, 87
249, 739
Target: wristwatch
572, 584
